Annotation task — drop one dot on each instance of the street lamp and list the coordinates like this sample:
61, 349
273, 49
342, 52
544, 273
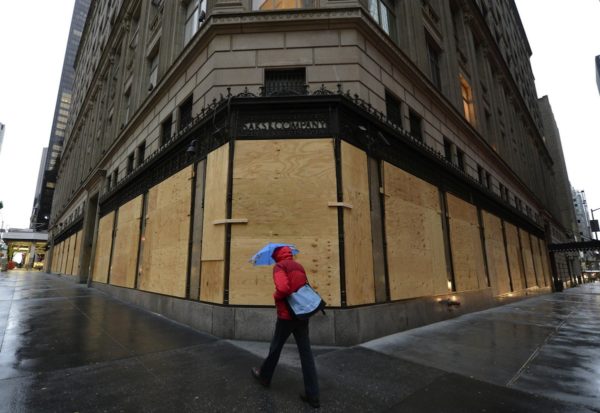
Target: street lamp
594, 224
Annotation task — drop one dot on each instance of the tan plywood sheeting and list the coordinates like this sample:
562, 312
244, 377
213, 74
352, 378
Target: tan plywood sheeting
103, 245
127, 237
212, 282
65, 257
537, 260
167, 233
69, 268
76, 252
283, 188
414, 235
56, 257
527, 258
514, 256
358, 245
544, 262
465, 241
496, 254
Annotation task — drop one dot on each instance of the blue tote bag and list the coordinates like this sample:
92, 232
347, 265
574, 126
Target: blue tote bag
305, 302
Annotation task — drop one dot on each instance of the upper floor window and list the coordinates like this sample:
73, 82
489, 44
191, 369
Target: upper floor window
126, 105
263, 5
382, 13
416, 128
393, 108
288, 81
153, 69
460, 159
433, 55
165, 130
130, 160
141, 153
448, 155
195, 12
185, 112
467, 98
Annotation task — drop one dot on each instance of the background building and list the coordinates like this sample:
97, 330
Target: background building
1, 135
399, 145
598, 72
45, 189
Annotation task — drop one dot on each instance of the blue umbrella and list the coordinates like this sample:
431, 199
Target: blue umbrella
264, 256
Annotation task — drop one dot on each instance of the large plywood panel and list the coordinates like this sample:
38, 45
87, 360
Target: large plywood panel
103, 245
77, 251
414, 235
56, 257
465, 241
61, 247
283, 188
358, 245
527, 258
212, 276
70, 255
63, 256
537, 260
496, 254
544, 262
514, 256
127, 237
165, 257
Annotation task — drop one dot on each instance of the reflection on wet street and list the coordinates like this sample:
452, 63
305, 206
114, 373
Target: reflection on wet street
67, 348
547, 345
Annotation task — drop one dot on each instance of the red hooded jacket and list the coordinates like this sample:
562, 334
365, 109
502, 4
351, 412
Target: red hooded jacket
288, 276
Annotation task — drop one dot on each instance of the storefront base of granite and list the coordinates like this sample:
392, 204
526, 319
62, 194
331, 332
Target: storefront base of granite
339, 327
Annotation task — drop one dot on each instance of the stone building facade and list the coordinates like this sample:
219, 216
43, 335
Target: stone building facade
398, 144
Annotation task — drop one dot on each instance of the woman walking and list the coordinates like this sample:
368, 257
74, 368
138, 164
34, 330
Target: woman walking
289, 276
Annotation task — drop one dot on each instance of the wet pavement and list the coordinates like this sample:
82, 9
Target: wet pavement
67, 348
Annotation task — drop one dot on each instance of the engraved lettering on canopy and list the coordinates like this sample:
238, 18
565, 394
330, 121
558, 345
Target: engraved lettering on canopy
301, 124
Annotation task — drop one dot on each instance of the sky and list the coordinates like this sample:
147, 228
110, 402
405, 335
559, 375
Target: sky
564, 36
33, 39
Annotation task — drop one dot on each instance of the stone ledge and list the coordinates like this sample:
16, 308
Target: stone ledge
339, 327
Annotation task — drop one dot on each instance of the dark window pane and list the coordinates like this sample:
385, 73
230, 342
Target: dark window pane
393, 109
166, 130
185, 112
415, 125
285, 82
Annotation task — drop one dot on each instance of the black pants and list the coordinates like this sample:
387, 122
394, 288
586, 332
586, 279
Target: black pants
283, 329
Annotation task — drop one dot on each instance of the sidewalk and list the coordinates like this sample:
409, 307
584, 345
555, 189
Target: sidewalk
67, 348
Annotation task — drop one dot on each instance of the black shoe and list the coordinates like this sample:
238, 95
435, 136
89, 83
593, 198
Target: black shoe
312, 401
256, 374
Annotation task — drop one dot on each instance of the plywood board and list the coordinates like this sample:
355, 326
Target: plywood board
527, 258
167, 233
358, 246
414, 235
76, 252
283, 188
127, 237
545, 262
212, 282
537, 260
514, 256
103, 245
465, 240
496, 254
56, 257
65, 257
69, 268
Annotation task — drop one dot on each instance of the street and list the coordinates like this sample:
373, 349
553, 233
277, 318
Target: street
68, 348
